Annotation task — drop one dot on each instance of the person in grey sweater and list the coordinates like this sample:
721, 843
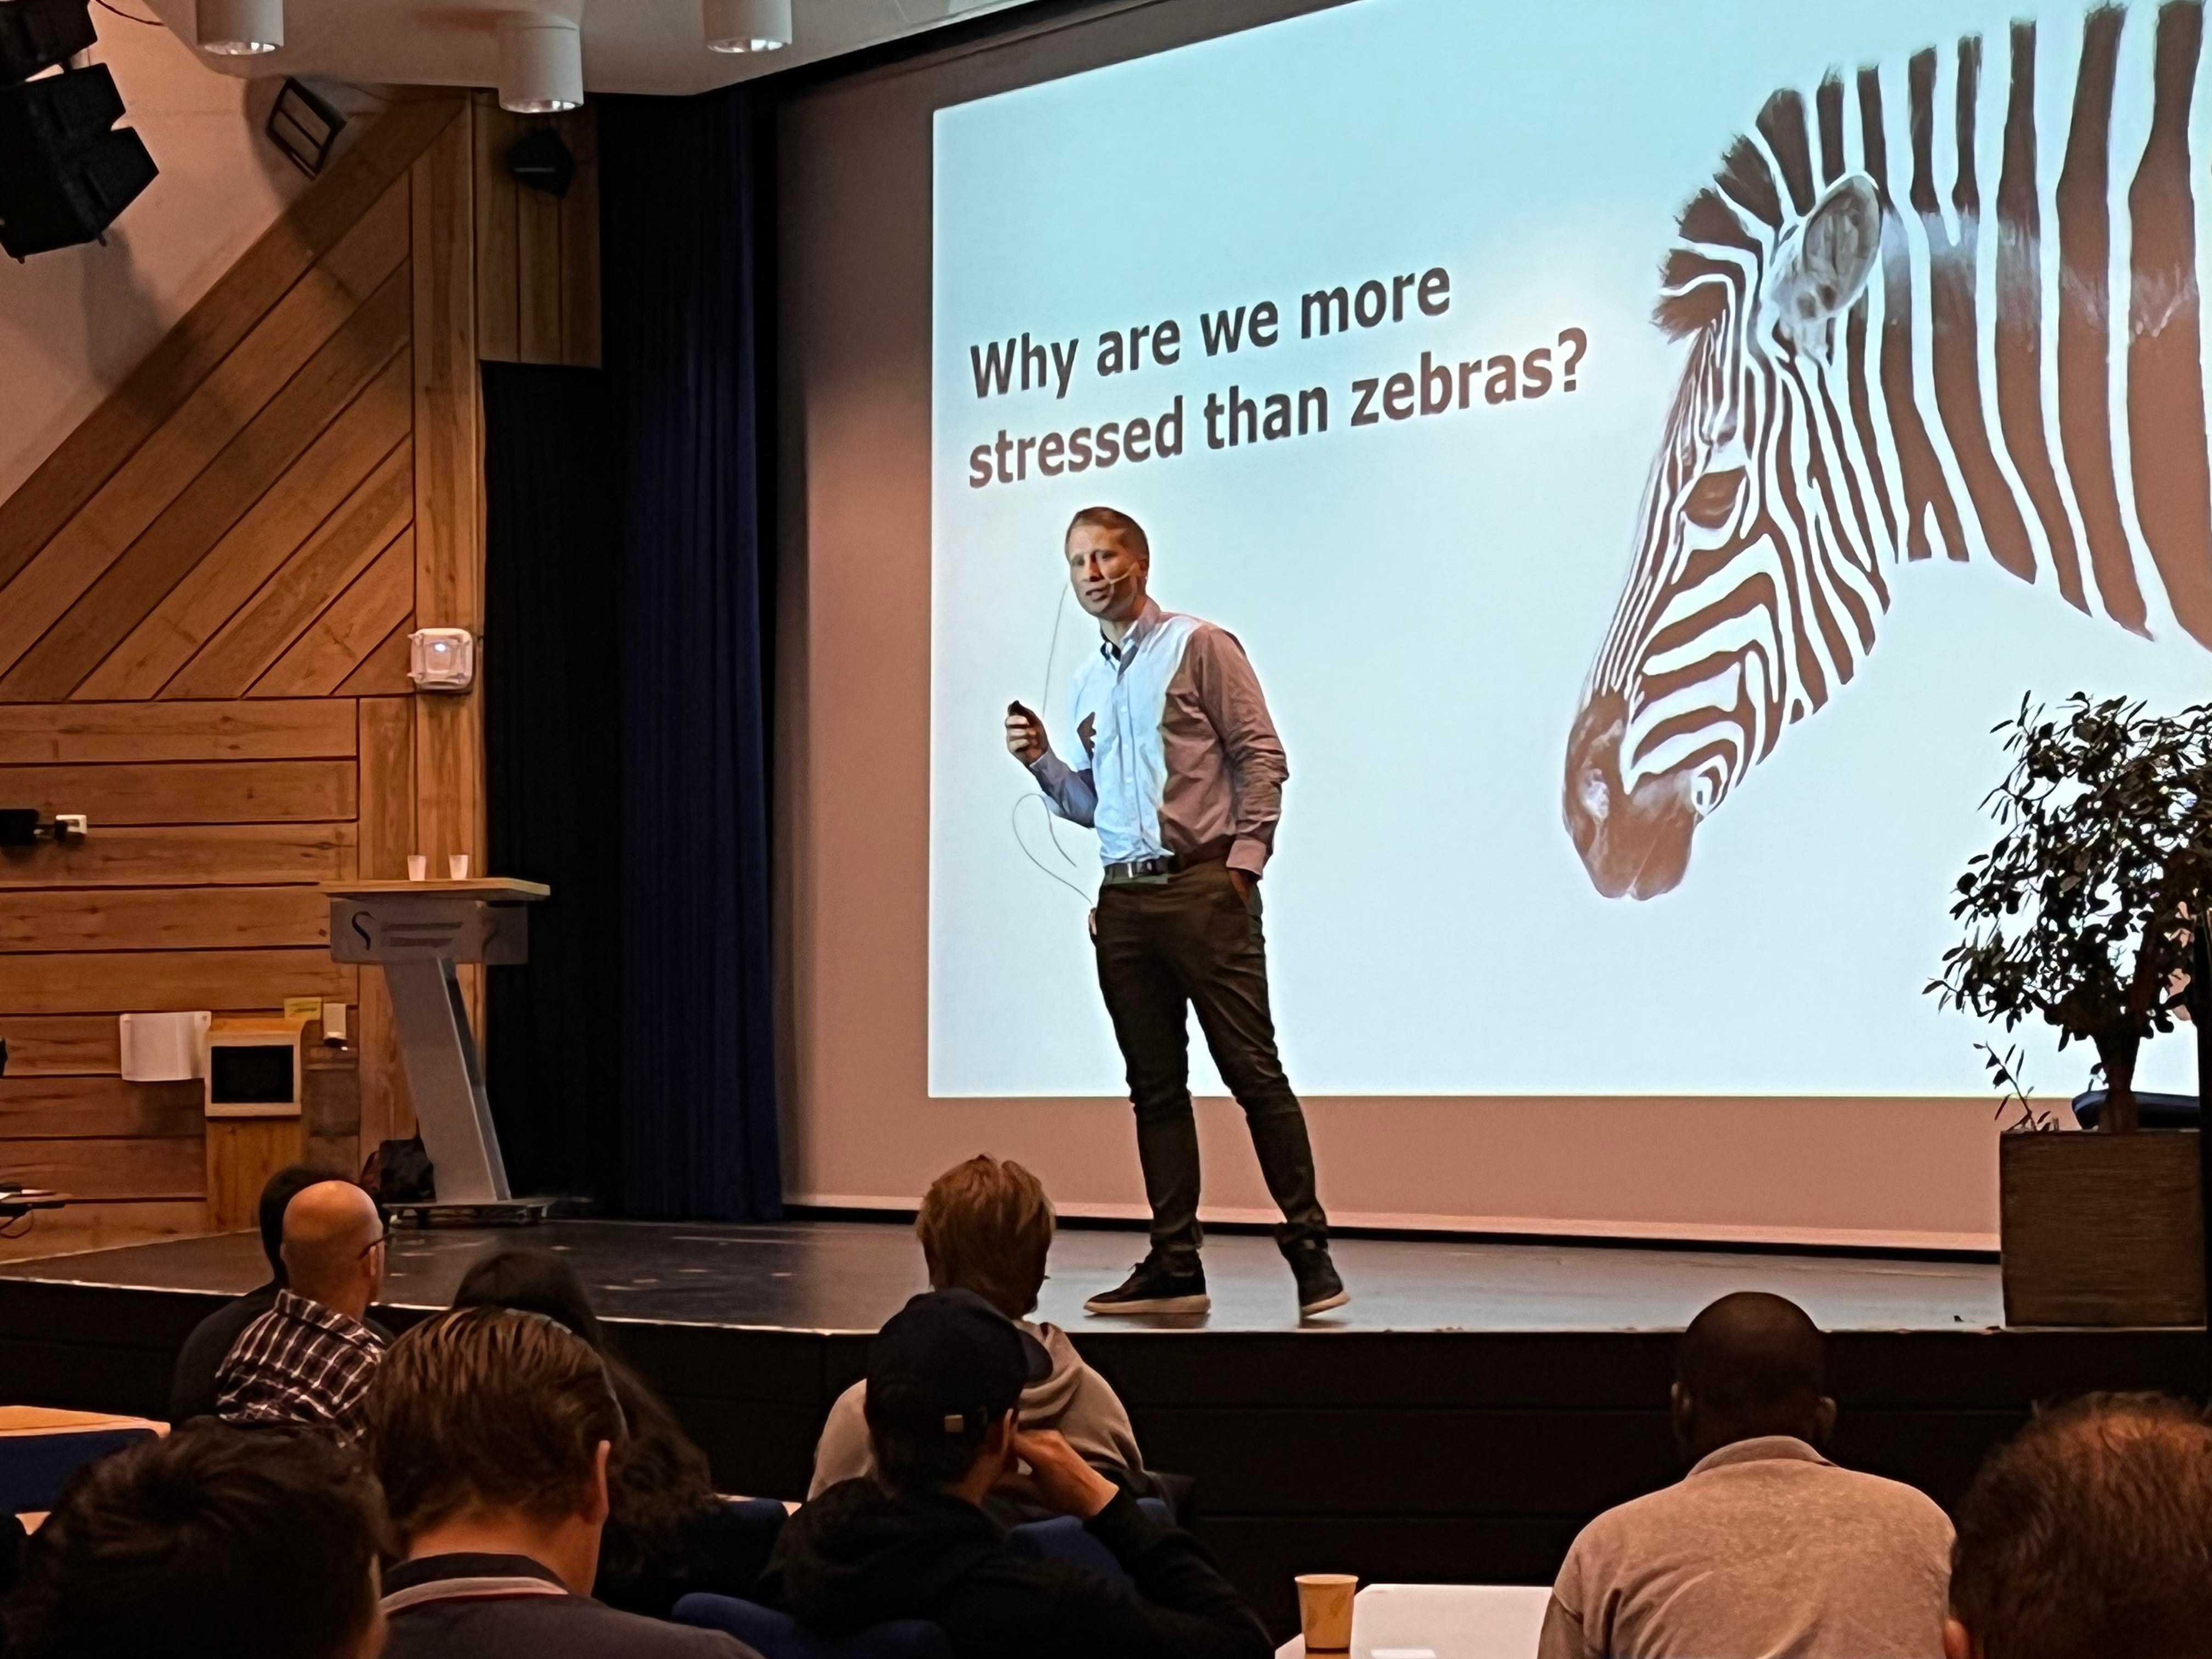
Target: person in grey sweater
1765, 1549
986, 1226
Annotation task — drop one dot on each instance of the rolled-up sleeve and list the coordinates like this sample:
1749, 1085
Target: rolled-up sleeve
1229, 692
1073, 794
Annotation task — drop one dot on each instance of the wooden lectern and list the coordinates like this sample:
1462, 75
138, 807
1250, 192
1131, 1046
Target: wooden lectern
417, 931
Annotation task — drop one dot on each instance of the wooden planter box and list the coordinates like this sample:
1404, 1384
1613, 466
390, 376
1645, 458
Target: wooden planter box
2101, 1229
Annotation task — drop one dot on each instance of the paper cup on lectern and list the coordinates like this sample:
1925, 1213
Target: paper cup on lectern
1325, 1610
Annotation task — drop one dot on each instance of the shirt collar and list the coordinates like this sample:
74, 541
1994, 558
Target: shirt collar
467, 1578
433, 1568
1147, 619
1764, 1448
292, 1305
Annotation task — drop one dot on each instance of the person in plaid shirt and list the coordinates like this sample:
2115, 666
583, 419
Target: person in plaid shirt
308, 1359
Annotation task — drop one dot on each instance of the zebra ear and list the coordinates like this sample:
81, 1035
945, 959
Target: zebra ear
1820, 272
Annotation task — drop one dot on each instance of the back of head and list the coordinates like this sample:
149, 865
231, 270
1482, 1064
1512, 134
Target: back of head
661, 1478
943, 1373
1752, 1364
329, 1227
2089, 1535
533, 1281
488, 1411
277, 1193
987, 1227
214, 1542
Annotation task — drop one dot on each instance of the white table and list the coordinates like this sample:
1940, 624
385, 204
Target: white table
1442, 1621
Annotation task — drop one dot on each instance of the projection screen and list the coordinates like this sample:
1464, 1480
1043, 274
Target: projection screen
1642, 451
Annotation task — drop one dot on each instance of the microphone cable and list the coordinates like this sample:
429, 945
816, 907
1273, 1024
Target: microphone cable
1051, 817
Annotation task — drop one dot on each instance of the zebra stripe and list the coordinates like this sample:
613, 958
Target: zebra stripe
1888, 360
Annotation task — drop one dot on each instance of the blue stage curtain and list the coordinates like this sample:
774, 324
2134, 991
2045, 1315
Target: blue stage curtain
682, 187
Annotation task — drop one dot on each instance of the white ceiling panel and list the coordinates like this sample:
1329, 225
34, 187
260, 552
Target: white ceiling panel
629, 46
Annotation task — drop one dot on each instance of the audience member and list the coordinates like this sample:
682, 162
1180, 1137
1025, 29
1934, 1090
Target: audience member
987, 1227
2089, 1536
1765, 1548
945, 1377
214, 1543
192, 1385
491, 1430
308, 1359
667, 1532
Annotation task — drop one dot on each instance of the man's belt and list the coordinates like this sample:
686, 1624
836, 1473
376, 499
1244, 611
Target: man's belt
1166, 864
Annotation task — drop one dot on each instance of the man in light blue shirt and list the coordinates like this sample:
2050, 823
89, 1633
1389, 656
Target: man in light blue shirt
1182, 777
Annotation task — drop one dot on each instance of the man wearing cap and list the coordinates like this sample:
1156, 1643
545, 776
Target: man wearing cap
945, 1377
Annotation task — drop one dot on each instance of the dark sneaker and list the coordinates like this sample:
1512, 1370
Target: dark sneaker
1154, 1288
1321, 1287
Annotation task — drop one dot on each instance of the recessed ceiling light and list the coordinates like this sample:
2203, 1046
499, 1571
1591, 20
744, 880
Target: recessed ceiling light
241, 29
541, 64
748, 24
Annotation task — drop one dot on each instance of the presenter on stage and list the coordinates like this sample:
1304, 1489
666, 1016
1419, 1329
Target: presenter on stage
1181, 777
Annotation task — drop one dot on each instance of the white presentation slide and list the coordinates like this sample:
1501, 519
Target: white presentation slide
1643, 450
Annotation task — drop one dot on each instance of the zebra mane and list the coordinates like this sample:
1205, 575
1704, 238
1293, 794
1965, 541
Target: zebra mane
1746, 186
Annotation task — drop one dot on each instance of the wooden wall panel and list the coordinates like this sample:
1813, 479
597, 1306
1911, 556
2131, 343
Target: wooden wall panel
449, 765
205, 597
252, 462
161, 919
98, 1224
376, 517
387, 836
112, 1166
154, 392
73, 1107
190, 792
579, 248
158, 479
242, 855
383, 671
235, 982
63, 1045
242, 1153
135, 733
538, 256
366, 612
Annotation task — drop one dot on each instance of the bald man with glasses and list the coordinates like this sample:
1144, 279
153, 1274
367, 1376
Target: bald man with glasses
309, 1358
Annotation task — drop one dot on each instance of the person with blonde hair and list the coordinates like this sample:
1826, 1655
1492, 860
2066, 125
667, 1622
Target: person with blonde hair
986, 1226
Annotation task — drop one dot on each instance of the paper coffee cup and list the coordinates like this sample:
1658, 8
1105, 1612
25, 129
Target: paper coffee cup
418, 866
457, 866
1325, 1610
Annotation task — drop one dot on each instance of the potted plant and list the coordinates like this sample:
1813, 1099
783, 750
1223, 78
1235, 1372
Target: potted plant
2079, 915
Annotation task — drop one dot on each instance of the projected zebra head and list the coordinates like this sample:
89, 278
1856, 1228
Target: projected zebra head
1706, 660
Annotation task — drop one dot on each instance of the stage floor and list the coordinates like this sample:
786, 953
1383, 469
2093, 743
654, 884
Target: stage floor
850, 1276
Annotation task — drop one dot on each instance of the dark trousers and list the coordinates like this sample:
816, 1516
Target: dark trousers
1167, 945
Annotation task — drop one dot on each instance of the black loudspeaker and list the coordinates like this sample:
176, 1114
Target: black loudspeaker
37, 34
539, 161
65, 172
